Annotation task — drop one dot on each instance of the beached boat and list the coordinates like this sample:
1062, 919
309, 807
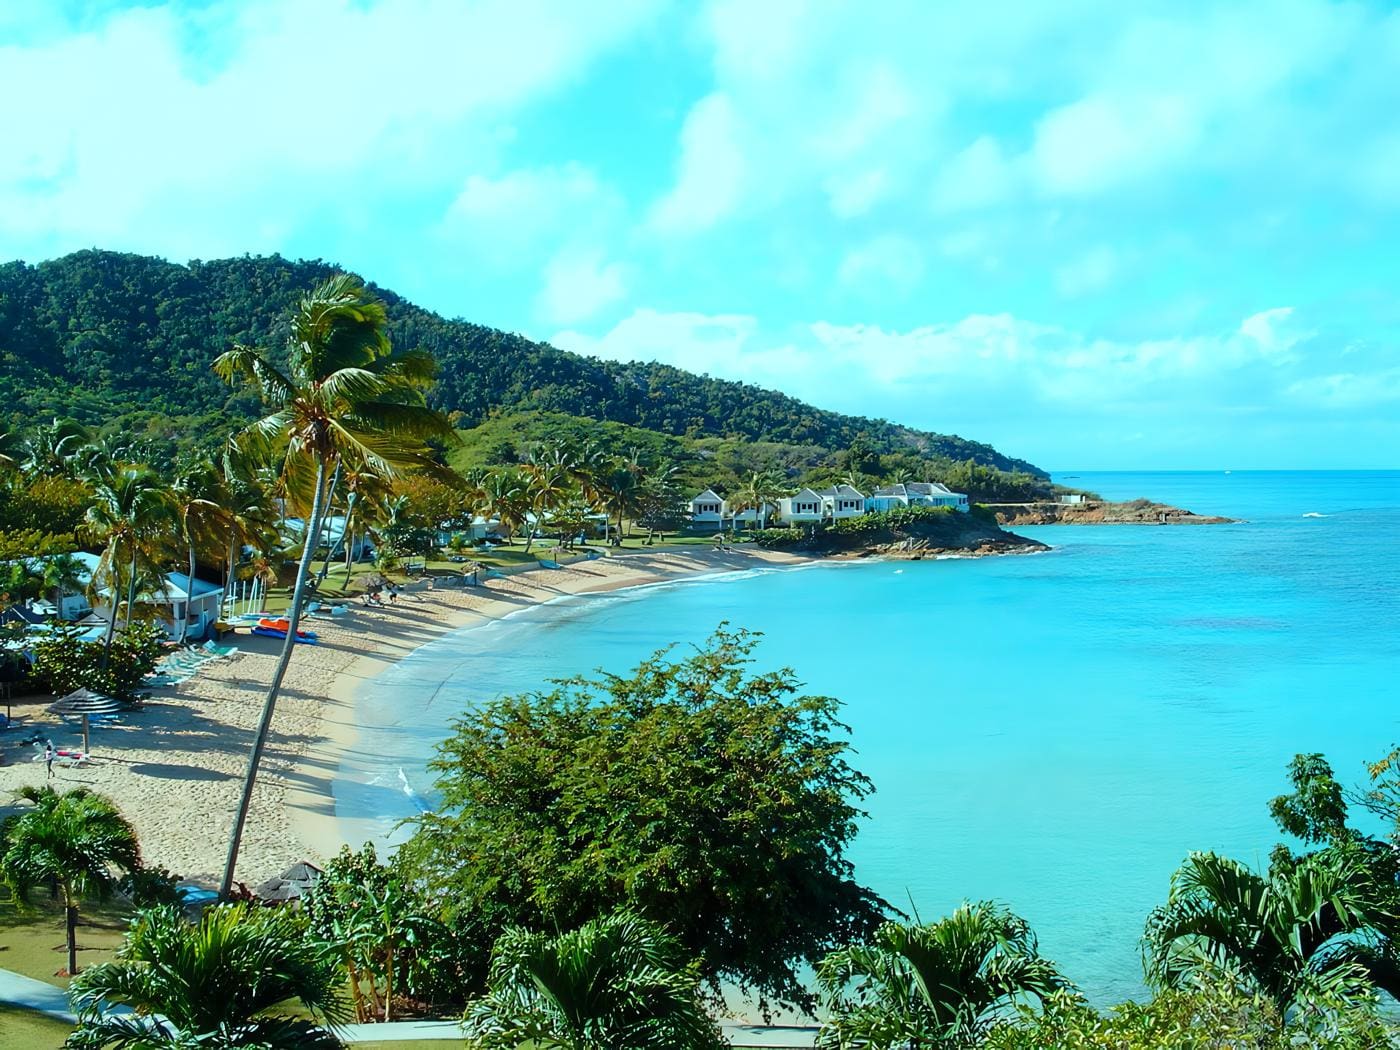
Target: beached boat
277, 628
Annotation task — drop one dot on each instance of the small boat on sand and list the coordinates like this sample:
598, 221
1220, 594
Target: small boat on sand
277, 628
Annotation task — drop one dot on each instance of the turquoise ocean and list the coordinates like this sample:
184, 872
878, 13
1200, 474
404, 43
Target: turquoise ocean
1054, 731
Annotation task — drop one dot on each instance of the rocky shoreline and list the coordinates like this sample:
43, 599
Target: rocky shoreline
947, 535
1102, 512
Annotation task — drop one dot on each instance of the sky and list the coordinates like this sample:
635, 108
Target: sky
1098, 235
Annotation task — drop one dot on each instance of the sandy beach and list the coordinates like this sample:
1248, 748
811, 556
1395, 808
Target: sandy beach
175, 767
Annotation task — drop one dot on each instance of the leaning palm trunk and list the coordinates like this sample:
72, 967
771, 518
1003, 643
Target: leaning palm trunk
130, 588
270, 703
189, 598
330, 547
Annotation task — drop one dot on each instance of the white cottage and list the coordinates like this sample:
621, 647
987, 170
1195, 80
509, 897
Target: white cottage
803, 508
916, 494
708, 508
842, 501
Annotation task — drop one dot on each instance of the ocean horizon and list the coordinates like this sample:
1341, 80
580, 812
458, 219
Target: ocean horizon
1054, 731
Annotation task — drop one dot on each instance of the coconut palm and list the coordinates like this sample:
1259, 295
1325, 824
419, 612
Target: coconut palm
1296, 934
131, 511
365, 493
546, 486
619, 489
616, 983
211, 984
72, 840
505, 496
50, 448
249, 514
63, 574
11, 450
343, 398
761, 491
937, 984
197, 503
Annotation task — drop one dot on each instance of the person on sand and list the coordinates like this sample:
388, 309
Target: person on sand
48, 758
393, 593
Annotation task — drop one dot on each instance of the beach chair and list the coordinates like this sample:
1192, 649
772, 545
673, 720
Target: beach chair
220, 651
545, 563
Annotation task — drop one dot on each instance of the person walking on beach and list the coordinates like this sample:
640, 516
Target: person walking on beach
393, 593
48, 758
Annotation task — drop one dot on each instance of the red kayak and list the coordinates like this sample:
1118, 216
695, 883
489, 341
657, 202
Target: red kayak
277, 628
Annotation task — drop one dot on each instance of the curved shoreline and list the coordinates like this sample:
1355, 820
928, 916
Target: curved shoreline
311, 806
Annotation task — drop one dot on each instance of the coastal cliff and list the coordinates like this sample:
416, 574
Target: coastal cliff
910, 533
1101, 512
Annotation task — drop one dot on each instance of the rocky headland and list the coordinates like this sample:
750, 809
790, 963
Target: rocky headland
1102, 512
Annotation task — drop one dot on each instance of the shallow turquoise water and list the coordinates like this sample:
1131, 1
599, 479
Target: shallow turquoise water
1054, 731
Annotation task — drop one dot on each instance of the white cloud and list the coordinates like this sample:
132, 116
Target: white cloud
305, 109
506, 217
1104, 140
578, 283
886, 261
855, 194
1091, 272
976, 177
710, 173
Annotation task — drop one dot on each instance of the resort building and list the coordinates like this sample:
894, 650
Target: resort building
708, 508
842, 501
802, 509
916, 494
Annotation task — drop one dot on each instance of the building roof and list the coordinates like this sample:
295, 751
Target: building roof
178, 587
931, 488
708, 495
806, 496
842, 491
892, 490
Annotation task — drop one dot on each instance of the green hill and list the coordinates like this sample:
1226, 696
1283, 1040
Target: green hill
126, 340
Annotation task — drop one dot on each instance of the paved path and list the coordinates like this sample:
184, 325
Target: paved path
18, 990
25, 992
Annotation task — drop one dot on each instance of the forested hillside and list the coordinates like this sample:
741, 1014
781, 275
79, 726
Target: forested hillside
113, 339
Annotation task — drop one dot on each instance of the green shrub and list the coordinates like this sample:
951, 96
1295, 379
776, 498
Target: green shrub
151, 887
66, 663
777, 538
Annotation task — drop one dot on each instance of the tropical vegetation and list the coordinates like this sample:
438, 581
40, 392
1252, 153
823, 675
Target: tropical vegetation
225, 981
69, 842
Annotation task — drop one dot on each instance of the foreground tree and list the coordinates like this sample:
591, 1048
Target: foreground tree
363, 918
72, 841
691, 791
1298, 934
1211, 1016
131, 512
940, 984
212, 984
616, 983
344, 398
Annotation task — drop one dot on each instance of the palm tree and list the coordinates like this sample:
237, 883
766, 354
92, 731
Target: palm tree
618, 490
616, 983
50, 448
761, 491
506, 497
937, 984
211, 984
197, 504
72, 840
249, 514
11, 450
1298, 934
130, 511
364, 492
63, 574
546, 486
344, 398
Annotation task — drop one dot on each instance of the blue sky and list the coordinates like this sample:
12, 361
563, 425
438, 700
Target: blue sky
1099, 235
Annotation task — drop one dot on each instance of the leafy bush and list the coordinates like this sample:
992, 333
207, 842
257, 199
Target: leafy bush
690, 791
776, 538
151, 887
891, 520
66, 663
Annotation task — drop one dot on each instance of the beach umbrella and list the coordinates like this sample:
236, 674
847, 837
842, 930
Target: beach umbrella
292, 884
85, 702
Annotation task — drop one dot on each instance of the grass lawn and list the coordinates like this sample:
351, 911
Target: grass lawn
26, 1030
31, 941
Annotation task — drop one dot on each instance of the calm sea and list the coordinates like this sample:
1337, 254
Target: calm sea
1054, 731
